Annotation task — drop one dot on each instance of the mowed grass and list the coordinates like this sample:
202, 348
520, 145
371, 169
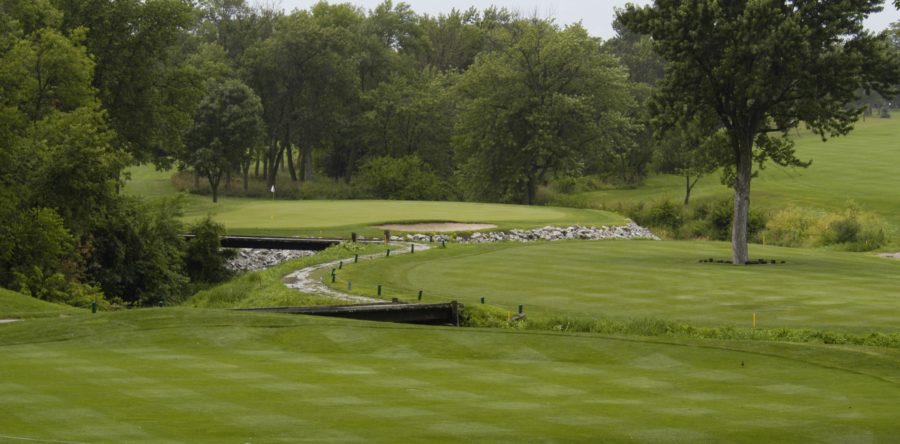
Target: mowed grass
622, 280
340, 218
862, 167
187, 375
14, 305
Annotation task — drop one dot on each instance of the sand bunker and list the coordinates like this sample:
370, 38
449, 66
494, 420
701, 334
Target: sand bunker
436, 227
890, 255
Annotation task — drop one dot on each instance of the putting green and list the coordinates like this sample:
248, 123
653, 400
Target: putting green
341, 217
178, 375
622, 280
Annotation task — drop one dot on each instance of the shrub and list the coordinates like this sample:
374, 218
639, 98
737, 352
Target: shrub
790, 227
718, 217
850, 229
403, 178
663, 214
205, 259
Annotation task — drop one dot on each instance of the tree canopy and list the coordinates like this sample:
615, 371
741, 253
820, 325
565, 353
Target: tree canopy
535, 108
763, 68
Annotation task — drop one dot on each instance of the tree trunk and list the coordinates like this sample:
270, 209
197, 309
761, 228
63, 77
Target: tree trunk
246, 170
256, 170
274, 161
265, 162
531, 191
688, 187
306, 172
290, 154
290, 163
214, 185
744, 170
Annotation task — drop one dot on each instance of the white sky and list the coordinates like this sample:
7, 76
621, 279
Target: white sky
596, 16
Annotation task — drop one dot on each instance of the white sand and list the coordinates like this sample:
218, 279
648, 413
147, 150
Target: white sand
436, 227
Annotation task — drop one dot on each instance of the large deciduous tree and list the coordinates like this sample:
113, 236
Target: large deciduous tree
763, 67
228, 124
535, 108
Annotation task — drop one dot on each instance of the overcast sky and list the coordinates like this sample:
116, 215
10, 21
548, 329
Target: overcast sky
596, 16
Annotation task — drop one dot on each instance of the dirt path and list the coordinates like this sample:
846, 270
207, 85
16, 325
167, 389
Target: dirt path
302, 281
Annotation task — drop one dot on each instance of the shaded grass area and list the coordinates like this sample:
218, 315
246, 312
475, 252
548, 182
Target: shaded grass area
216, 376
861, 167
14, 305
628, 280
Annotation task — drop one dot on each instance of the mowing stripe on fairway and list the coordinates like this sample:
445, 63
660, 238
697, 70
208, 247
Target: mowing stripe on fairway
663, 280
167, 375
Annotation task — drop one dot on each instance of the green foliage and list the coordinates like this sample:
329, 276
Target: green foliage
535, 109
790, 227
139, 75
43, 261
851, 229
227, 127
205, 258
409, 116
404, 178
728, 60
136, 254
487, 316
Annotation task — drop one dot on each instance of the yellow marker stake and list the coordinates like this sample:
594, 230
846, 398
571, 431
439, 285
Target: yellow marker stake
754, 321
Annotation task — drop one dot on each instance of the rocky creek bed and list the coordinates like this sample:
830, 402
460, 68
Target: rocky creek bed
255, 259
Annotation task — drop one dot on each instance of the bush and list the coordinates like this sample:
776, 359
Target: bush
790, 227
137, 253
402, 178
850, 229
205, 259
663, 214
708, 221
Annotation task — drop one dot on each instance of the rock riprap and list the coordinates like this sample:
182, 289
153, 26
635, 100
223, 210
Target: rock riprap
248, 259
549, 233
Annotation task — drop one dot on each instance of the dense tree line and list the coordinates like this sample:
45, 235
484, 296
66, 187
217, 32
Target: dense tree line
492, 103
475, 104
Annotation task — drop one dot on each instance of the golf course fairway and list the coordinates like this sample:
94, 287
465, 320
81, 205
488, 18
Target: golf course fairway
615, 279
189, 375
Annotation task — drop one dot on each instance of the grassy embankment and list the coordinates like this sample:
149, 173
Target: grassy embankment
14, 305
862, 167
188, 375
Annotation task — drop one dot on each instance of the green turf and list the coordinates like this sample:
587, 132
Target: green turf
180, 375
663, 280
340, 218
147, 181
266, 288
15, 305
861, 167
